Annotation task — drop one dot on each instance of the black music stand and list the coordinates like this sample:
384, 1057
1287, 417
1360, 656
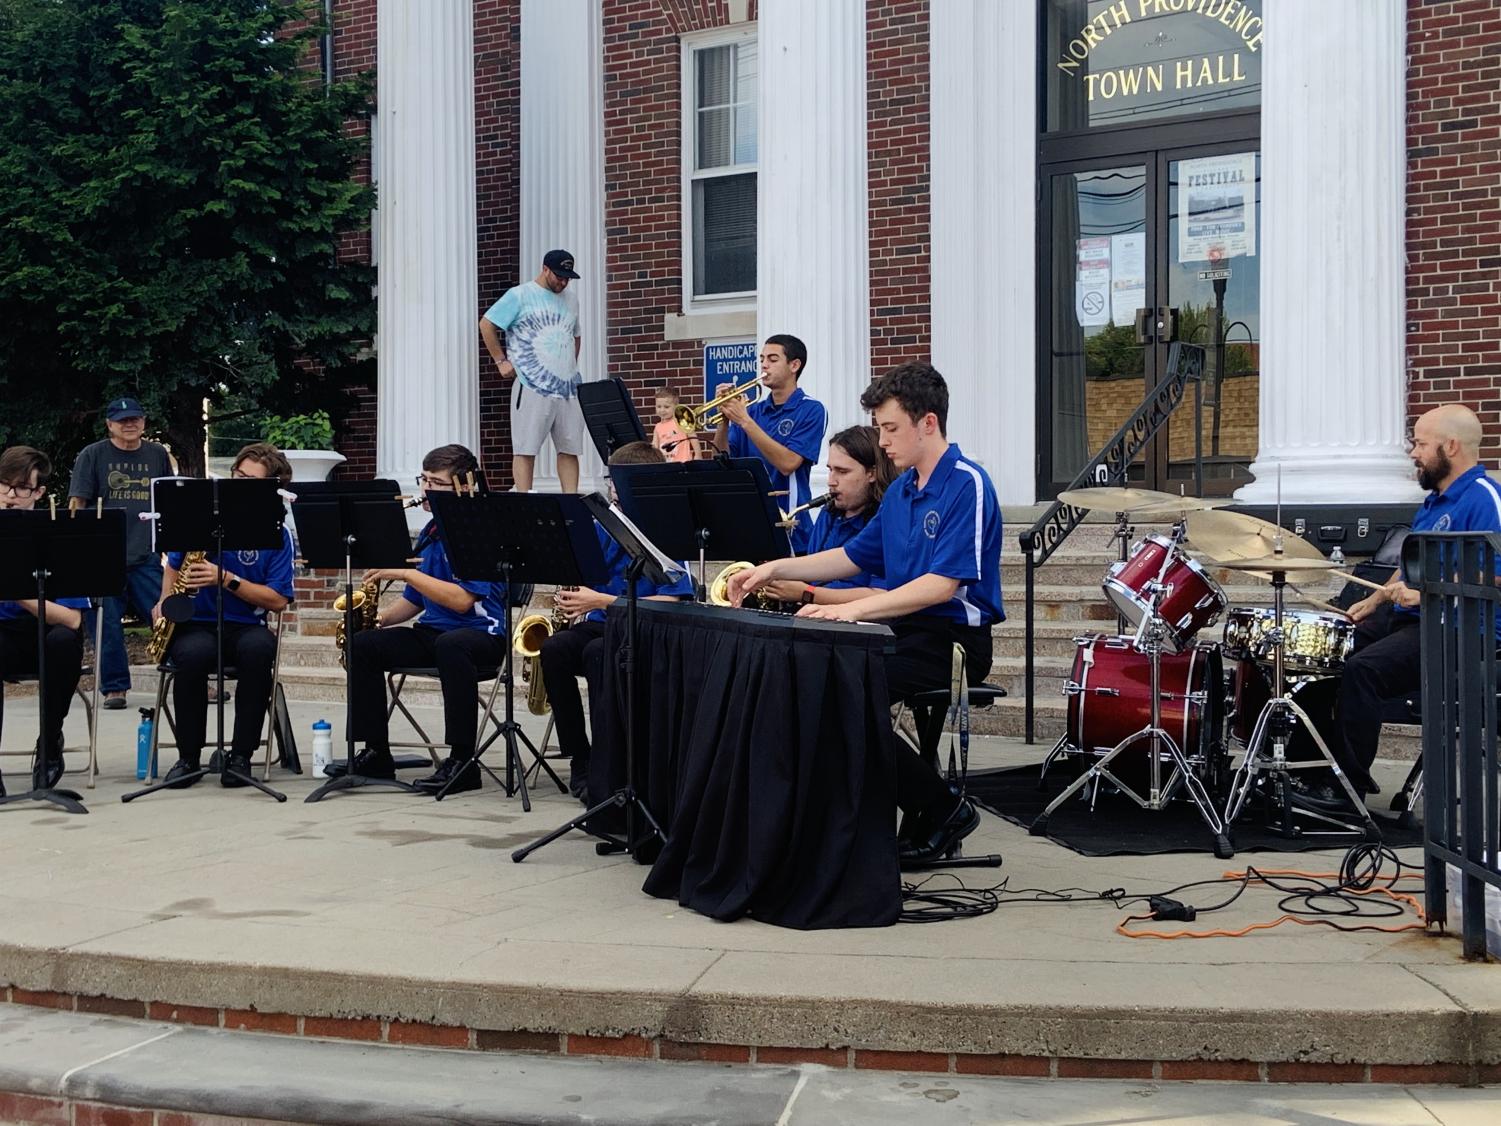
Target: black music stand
342, 525
517, 538
42, 556
646, 561
202, 514
689, 508
610, 415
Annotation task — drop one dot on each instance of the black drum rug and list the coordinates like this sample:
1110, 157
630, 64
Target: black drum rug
1119, 827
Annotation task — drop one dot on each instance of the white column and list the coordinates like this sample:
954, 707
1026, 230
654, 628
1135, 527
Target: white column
983, 77
812, 234
562, 175
1333, 385
427, 349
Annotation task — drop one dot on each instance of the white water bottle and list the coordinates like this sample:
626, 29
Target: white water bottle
323, 747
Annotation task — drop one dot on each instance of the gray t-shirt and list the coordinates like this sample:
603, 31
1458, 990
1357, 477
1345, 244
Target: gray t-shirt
123, 478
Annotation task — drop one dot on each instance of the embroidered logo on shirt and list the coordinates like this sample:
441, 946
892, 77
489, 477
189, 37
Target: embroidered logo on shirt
930, 524
248, 558
1443, 523
784, 427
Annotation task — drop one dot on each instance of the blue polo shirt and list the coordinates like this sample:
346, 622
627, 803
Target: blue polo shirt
617, 561
799, 424
9, 611
830, 531
951, 527
268, 568
1471, 503
487, 615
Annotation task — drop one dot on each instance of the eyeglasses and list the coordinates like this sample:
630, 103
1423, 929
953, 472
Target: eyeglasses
22, 491
432, 484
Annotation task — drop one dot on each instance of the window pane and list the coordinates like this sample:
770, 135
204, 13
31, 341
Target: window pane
715, 73
745, 73
724, 235
745, 135
714, 138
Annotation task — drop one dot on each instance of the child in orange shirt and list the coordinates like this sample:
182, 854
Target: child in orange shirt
667, 436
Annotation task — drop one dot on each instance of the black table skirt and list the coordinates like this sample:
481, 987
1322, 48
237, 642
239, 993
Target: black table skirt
764, 750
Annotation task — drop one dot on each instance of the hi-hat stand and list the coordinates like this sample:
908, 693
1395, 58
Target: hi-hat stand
1151, 638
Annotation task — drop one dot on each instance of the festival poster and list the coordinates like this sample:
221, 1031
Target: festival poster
1217, 208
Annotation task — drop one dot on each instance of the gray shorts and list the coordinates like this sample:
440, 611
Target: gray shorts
534, 416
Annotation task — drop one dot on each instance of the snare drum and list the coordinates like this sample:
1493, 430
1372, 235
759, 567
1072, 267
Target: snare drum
1110, 697
1191, 600
1316, 644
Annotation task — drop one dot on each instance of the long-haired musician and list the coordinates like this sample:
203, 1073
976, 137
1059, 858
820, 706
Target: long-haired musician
579, 650
859, 474
936, 543
254, 583
460, 628
23, 482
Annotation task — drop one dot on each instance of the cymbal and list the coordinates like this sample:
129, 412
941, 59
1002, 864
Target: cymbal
1224, 536
1111, 499
1289, 564
1182, 506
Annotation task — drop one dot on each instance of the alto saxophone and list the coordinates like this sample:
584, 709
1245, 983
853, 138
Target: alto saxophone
161, 629
531, 632
366, 615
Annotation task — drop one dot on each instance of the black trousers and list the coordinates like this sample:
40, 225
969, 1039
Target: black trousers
457, 654
567, 655
18, 655
922, 660
1386, 662
250, 650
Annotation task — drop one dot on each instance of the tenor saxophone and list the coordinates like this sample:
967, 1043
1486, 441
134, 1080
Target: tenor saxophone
366, 615
531, 632
161, 629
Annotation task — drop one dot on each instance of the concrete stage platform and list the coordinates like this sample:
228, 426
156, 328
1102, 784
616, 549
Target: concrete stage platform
382, 917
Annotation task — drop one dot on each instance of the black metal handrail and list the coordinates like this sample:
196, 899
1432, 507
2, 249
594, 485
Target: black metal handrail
1185, 364
1455, 574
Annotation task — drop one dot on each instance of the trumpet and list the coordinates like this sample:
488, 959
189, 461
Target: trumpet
706, 417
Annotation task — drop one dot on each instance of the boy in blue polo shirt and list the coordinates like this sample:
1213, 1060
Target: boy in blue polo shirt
579, 650
1387, 660
784, 429
935, 543
254, 582
23, 482
460, 628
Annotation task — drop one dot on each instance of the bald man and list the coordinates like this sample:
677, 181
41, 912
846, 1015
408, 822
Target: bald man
1387, 661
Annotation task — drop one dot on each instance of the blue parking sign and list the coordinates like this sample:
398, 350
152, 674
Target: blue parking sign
728, 363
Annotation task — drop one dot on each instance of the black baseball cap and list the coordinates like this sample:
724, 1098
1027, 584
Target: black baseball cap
559, 262
123, 408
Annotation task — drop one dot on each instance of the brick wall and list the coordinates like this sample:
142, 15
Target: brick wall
643, 191
897, 136
1454, 209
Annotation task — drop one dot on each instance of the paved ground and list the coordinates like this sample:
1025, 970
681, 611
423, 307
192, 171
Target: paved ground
393, 905
169, 1067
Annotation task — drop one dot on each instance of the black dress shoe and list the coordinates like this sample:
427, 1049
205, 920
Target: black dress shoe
236, 770
369, 763
54, 768
466, 769
1321, 796
180, 776
963, 821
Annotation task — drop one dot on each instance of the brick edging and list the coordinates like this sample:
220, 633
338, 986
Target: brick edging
630, 1046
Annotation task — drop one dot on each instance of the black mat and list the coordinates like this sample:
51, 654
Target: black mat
1119, 827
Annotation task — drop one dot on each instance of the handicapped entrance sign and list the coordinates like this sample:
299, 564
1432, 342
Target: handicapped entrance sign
728, 363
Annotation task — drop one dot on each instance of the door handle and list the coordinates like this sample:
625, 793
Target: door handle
1159, 323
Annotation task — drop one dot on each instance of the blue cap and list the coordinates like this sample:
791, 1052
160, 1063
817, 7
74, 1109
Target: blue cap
322, 725
123, 408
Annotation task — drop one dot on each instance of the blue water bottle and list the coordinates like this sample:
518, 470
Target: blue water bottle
143, 744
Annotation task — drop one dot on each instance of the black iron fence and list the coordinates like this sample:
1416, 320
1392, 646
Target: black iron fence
1185, 365
1455, 573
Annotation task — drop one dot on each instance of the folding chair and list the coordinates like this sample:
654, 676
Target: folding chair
90, 704
167, 673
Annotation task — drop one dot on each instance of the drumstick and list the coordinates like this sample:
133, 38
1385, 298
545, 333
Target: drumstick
1312, 601
1358, 581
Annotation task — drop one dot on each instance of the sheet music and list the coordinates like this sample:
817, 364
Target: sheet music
672, 567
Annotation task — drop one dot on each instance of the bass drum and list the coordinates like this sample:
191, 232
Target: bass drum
1110, 698
1250, 689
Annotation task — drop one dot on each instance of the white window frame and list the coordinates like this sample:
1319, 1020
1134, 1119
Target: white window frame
696, 41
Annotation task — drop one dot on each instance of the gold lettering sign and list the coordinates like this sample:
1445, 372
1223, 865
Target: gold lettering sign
1196, 72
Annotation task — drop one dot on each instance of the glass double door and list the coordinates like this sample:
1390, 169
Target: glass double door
1139, 250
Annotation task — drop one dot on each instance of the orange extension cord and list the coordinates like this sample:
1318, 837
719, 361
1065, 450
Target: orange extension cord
1256, 875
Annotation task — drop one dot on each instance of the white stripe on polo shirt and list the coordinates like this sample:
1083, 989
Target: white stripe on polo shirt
1495, 497
979, 516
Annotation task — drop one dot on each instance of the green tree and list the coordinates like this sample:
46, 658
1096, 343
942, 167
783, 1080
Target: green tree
175, 180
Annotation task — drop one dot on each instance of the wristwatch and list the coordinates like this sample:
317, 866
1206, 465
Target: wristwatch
232, 583
807, 597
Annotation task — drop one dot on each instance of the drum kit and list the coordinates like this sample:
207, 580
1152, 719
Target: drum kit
1149, 711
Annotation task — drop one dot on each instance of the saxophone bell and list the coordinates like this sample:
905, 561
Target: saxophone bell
178, 608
